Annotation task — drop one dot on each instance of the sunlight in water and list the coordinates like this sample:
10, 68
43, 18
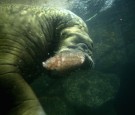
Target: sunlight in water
108, 4
67, 4
80, 4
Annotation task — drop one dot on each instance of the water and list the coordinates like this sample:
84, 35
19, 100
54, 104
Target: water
81, 7
107, 89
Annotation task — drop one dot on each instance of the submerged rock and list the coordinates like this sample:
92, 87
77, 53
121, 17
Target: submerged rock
89, 92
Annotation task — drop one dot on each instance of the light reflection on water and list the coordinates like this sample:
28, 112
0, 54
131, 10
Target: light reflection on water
68, 4
82, 7
80, 4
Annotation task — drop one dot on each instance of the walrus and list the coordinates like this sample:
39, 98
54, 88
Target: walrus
33, 40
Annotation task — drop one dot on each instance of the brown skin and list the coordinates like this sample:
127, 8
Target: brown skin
30, 36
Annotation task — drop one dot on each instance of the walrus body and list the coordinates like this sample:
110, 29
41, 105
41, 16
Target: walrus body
28, 36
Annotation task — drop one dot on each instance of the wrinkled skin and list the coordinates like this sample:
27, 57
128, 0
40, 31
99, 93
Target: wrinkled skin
35, 40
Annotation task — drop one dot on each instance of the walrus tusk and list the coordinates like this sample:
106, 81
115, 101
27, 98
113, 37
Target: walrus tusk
64, 61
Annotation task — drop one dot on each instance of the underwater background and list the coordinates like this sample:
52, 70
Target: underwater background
107, 89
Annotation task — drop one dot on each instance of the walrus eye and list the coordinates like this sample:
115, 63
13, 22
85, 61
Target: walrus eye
72, 47
82, 46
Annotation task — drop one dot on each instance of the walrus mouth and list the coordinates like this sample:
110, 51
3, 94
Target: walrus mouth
65, 60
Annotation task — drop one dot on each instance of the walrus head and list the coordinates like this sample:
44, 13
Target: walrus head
27, 35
